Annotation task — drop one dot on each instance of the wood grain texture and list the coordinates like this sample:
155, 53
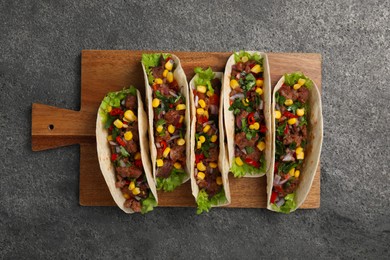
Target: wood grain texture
104, 71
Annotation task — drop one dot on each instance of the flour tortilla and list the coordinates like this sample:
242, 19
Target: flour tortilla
104, 156
223, 166
181, 79
312, 151
229, 116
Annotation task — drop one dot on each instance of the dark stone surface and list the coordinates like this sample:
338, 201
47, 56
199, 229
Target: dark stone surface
40, 44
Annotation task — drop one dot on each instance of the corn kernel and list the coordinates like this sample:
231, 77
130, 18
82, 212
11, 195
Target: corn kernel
291, 171
213, 138
171, 129
181, 107
158, 81
201, 166
206, 114
170, 77
209, 93
126, 196
213, 165
296, 86
259, 91
300, 111
129, 116
301, 156
219, 180
288, 102
206, 128
136, 191
202, 139
159, 128
181, 141
155, 102
256, 125
109, 108
278, 115
292, 121
234, 84
299, 150
256, 69
238, 161
301, 81
118, 123
297, 173
109, 138
177, 165
166, 152
259, 83
261, 146
251, 127
181, 119
198, 145
137, 156
128, 136
202, 103
245, 102
244, 59
165, 73
201, 175
131, 185
200, 111
160, 163
201, 89
169, 65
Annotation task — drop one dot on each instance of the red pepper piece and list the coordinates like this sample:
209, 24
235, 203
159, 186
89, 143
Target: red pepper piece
114, 156
252, 162
289, 115
202, 119
116, 112
163, 145
120, 141
138, 163
263, 129
251, 118
274, 195
286, 130
198, 157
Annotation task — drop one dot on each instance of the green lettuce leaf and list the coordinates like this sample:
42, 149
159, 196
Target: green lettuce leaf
204, 78
114, 99
148, 204
152, 60
204, 203
172, 182
256, 57
240, 171
288, 206
291, 79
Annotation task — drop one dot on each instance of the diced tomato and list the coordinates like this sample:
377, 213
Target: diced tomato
163, 145
286, 130
251, 118
202, 119
116, 112
114, 156
274, 195
276, 166
252, 162
199, 157
289, 115
214, 100
120, 141
138, 163
278, 188
231, 102
263, 129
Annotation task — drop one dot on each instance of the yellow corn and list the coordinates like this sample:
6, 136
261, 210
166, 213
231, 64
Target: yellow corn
206, 128
136, 191
261, 146
109, 108
245, 102
166, 152
202, 103
132, 185
256, 126
201, 166
301, 81
201, 175
177, 165
171, 129
118, 123
181, 141
129, 116
299, 150
206, 114
169, 65
159, 128
155, 102
301, 156
198, 145
291, 172
213, 138
209, 93
165, 73
126, 196
259, 83
200, 111
288, 102
244, 59
296, 86
278, 115
297, 173
256, 69
181, 107
201, 89
292, 121
170, 77
213, 165
238, 161
234, 84
181, 119
160, 163
158, 81
259, 91
109, 138
128, 136
202, 139
137, 156
300, 111
219, 180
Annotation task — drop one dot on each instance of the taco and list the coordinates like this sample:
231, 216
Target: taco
297, 141
123, 151
247, 105
167, 96
209, 170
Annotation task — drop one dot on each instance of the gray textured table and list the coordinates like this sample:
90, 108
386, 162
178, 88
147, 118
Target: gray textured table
40, 46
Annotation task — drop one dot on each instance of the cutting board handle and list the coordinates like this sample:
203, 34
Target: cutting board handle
53, 127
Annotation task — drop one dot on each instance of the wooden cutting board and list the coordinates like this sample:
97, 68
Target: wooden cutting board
104, 71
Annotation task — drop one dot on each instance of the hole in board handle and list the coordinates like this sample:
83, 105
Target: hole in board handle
50, 127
